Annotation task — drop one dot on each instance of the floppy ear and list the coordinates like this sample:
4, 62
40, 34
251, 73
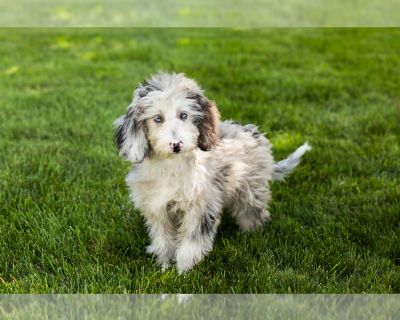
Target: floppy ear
130, 135
208, 125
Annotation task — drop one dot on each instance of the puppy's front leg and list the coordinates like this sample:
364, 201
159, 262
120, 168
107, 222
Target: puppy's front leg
196, 235
162, 242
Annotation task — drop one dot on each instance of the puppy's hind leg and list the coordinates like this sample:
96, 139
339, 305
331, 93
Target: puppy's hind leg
251, 218
250, 210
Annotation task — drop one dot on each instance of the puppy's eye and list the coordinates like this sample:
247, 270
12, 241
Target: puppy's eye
157, 119
183, 115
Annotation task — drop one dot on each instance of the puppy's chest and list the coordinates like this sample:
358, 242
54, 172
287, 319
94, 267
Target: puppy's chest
163, 188
169, 192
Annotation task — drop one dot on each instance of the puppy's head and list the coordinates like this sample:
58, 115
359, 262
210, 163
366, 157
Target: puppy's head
169, 115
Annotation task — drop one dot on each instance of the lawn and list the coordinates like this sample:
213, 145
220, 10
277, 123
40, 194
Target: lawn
66, 222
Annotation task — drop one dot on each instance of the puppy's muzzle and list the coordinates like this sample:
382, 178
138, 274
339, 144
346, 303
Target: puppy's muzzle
176, 146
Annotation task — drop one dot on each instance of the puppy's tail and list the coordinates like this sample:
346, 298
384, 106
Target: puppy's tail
286, 166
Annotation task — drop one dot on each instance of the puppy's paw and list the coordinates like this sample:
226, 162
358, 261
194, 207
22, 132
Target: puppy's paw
253, 219
187, 255
162, 260
150, 250
164, 266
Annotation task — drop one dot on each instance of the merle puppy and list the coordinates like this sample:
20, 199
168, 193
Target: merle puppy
188, 166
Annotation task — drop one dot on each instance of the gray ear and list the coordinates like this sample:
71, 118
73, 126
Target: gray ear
130, 135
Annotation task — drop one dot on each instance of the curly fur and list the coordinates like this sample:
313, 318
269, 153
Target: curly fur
181, 190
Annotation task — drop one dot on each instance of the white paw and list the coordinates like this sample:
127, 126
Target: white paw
150, 250
164, 266
162, 260
187, 255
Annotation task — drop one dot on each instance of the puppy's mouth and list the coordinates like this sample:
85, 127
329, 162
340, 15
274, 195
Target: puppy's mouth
172, 154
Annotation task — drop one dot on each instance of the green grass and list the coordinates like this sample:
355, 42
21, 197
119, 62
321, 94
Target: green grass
67, 225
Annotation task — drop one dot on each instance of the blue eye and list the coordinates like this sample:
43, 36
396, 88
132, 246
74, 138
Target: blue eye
157, 119
183, 115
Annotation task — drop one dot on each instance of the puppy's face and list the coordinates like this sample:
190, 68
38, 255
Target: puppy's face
169, 115
171, 120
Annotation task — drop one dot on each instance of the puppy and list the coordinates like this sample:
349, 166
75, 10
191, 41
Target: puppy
188, 166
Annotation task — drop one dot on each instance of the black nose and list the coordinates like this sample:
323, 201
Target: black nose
176, 147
